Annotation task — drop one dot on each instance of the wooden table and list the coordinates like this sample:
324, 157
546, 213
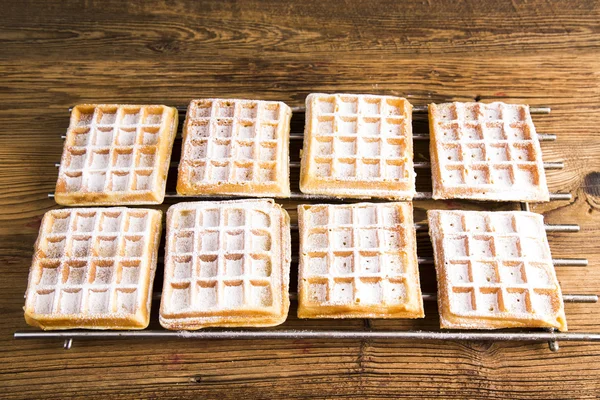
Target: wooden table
540, 53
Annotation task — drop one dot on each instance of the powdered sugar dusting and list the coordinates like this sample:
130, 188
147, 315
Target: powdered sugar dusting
241, 145
358, 256
223, 257
486, 151
359, 142
112, 154
88, 266
495, 265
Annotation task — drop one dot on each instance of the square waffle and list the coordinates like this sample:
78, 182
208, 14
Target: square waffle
485, 152
93, 268
494, 270
358, 146
237, 147
227, 264
358, 261
116, 154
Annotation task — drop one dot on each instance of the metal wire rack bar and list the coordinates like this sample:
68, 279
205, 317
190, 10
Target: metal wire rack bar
316, 197
418, 164
542, 137
567, 298
317, 334
547, 227
557, 262
416, 109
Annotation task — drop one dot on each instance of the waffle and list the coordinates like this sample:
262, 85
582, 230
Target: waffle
227, 264
485, 152
494, 270
236, 147
358, 146
93, 268
116, 154
358, 261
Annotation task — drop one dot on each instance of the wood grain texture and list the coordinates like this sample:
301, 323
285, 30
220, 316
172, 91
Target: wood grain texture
56, 54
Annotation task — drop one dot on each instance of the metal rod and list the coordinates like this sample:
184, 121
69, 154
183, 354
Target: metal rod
314, 197
561, 196
547, 165
532, 110
416, 164
562, 228
308, 197
567, 298
316, 334
554, 165
570, 262
580, 298
552, 344
416, 109
548, 228
542, 137
553, 196
546, 137
558, 262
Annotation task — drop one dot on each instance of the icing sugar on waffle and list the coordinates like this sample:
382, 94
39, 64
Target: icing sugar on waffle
116, 154
358, 146
227, 264
358, 261
494, 270
485, 152
93, 268
233, 146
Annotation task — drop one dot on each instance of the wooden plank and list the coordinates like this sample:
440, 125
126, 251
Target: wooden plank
303, 30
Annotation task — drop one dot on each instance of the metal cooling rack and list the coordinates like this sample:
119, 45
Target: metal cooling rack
542, 335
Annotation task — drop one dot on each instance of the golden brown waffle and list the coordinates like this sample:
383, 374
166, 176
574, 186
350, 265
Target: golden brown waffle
485, 152
93, 268
116, 154
494, 270
358, 146
237, 147
227, 264
358, 261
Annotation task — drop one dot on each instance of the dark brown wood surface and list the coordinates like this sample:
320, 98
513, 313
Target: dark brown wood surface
56, 54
